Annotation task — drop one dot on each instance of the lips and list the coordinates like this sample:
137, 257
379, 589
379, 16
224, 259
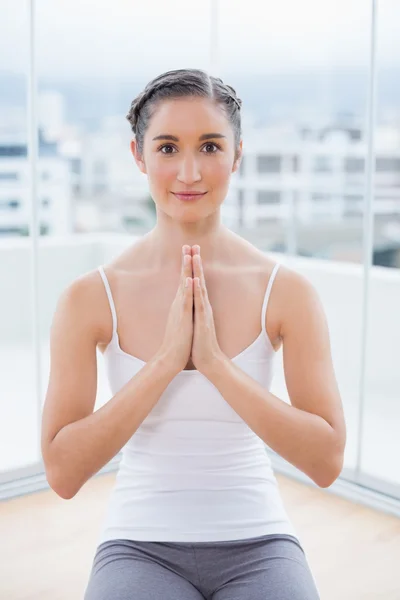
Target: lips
192, 196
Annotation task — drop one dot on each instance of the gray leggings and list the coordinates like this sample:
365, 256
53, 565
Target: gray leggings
269, 567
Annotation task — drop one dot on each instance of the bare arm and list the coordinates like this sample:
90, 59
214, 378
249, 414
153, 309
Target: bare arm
310, 433
77, 442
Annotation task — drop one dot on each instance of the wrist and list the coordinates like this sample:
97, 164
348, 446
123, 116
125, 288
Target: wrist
215, 365
163, 362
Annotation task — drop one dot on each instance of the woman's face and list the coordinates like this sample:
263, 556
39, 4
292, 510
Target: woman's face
199, 156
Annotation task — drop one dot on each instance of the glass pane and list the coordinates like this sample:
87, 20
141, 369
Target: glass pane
381, 445
89, 182
302, 76
18, 413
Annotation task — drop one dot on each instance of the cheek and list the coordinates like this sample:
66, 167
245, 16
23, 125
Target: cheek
161, 170
218, 171
222, 174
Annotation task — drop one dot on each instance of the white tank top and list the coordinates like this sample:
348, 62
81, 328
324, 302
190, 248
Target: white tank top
193, 471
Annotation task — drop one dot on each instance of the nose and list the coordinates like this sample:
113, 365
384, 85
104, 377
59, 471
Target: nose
189, 170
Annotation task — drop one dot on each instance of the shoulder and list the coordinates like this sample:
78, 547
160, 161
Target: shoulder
84, 300
300, 305
294, 301
295, 311
82, 289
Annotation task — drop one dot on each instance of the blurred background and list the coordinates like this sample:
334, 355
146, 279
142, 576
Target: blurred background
319, 185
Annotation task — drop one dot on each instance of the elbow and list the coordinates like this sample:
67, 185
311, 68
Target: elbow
327, 481
332, 465
64, 494
58, 483
55, 475
329, 473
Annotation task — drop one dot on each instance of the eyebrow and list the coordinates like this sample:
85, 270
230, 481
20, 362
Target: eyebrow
173, 138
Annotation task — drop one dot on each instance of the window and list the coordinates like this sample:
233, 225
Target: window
353, 164
5, 176
12, 204
388, 164
322, 164
268, 164
76, 166
268, 197
353, 198
17, 150
321, 197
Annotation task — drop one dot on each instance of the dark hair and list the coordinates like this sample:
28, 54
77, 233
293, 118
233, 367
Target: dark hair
183, 83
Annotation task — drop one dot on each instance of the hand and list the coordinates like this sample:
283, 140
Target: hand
178, 337
205, 349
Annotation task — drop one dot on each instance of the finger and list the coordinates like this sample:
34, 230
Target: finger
196, 260
185, 252
198, 295
188, 265
187, 269
198, 272
188, 294
188, 286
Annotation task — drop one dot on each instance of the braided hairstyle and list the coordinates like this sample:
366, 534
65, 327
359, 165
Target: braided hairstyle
183, 83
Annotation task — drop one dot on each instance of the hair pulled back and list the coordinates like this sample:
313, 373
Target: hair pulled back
178, 84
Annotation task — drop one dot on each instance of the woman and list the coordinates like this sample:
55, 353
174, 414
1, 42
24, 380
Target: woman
195, 511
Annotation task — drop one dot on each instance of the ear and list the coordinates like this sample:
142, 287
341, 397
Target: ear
138, 158
238, 160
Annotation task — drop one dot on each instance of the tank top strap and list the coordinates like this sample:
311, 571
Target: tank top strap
267, 295
110, 298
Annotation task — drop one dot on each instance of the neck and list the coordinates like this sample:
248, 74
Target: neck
165, 242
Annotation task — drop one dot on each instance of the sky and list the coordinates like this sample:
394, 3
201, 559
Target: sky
96, 38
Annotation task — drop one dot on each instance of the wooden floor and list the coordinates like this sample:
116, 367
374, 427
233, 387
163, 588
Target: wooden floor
47, 544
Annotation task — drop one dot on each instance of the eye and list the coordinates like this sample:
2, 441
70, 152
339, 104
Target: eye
161, 148
165, 146
212, 144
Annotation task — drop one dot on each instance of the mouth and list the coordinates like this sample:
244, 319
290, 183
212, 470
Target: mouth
189, 197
